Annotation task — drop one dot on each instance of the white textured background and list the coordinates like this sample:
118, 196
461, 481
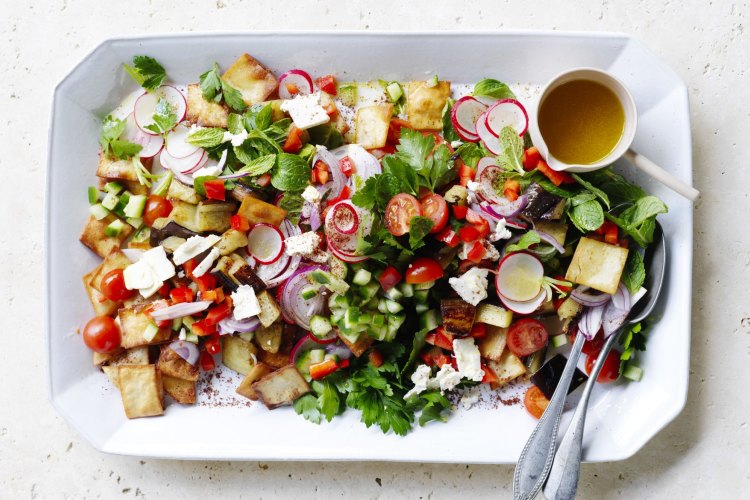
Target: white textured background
703, 454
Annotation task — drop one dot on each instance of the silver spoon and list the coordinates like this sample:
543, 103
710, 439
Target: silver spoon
565, 471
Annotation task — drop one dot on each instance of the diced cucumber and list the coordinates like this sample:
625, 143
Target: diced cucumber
351, 337
420, 308
378, 320
559, 340
328, 280
424, 286
143, 234
432, 81
176, 324
373, 303
394, 294
369, 291
110, 201
407, 289
351, 318
320, 326
429, 320
135, 206
150, 332
309, 292
187, 321
394, 90
191, 337
347, 94
420, 296
339, 301
394, 323
98, 211
121, 204
247, 336
393, 307
633, 372
309, 358
378, 332
114, 228
113, 187
93, 195
337, 314
362, 277
382, 307
135, 222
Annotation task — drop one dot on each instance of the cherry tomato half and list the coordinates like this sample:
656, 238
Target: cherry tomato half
435, 208
423, 270
526, 336
156, 207
101, 334
535, 402
610, 370
399, 212
113, 286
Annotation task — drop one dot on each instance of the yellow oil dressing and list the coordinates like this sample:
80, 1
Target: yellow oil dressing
581, 122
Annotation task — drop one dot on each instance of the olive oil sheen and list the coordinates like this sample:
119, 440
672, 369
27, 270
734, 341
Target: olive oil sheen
581, 122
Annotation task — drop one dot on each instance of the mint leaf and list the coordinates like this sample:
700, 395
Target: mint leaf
292, 173
634, 273
528, 239
147, 72
588, 216
123, 150
260, 165
206, 137
470, 154
598, 192
493, 88
511, 150
292, 203
419, 227
235, 123
164, 117
307, 406
210, 83
617, 188
639, 220
449, 133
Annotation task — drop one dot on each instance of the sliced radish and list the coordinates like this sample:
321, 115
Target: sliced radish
145, 106
150, 144
177, 144
346, 257
516, 224
519, 277
344, 245
186, 165
525, 307
265, 243
125, 108
464, 115
507, 113
294, 82
345, 218
489, 140
487, 182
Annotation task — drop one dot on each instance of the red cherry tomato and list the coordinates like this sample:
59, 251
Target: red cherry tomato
399, 212
156, 207
423, 270
459, 211
435, 208
113, 286
101, 334
610, 370
448, 236
526, 336
535, 402
590, 346
389, 278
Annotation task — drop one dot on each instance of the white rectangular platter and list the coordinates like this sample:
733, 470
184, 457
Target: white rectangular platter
622, 418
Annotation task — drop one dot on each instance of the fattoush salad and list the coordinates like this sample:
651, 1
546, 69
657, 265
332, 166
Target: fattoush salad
384, 247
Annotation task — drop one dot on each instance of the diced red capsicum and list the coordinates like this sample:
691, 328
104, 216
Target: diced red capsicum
181, 294
347, 166
490, 377
205, 283
215, 189
376, 358
202, 328
465, 173
477, 252
239, 223
325, 368
531, 158
213, 345
459, 211
480, 223
448, 236
217, 313
468, 234
478, 330
440, 338
207, 362
610, 232
556, 177
389, 278
512, 189
345, 195
293, 143
327, 84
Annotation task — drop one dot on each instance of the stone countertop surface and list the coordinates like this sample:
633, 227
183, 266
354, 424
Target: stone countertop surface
702, 454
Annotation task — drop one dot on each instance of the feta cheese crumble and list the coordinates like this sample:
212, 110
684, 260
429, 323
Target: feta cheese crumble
472, 285
245, 303
468, 359
491, 252
311, 194
446, 379
305, 110
420, 378
206, 263
204, 171
305, 244
149, 273
470, 397
195, 245
500, 232
235, 139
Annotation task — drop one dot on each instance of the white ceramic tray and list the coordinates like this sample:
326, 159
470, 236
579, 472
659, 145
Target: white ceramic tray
622, 417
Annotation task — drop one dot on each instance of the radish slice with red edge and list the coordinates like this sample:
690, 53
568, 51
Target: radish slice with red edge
519, 277
345, 218
464, 116
186, 165
265, 243
145, 106
276, 273
516, 224
507, 113
490, 141
525, 307
150, 144
295, 79
177, 144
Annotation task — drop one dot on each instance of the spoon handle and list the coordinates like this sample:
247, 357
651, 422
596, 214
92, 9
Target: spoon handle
536, 458
661, 175
563, 477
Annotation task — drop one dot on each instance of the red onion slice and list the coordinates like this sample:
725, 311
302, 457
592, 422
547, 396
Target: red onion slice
301, 310
186, 350
340, 350
591, 321
582, 296
230, 325
180, 310
616, 311
549, 239
338, 179
365, 163
304, 344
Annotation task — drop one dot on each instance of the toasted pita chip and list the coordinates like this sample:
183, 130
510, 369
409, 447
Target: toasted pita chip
133, 323
508, 368
202, 112
93, 236
269, 338
182, 391
134, 356
113, 375
100, 359
246, 386
141, 389
359, 347
101, 304
424, 104
254, 82
115, 260
170, 363
238, 354
281, 387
